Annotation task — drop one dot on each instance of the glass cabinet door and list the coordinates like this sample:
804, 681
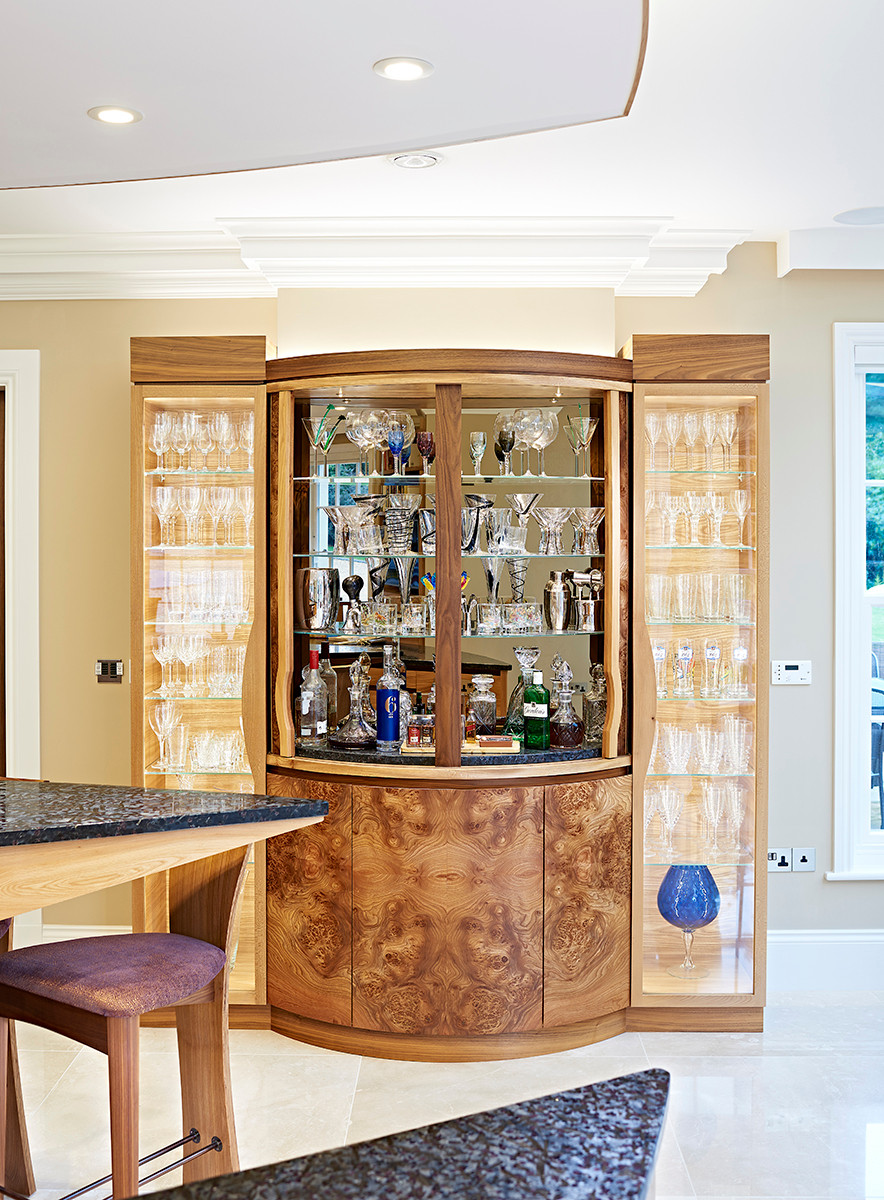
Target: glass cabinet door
700, 736
197, 587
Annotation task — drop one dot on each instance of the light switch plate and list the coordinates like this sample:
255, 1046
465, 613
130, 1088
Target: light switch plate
790, 671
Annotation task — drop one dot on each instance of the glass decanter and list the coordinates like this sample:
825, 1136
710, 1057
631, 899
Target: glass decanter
566, 729
483, 702
355, 733
515, 722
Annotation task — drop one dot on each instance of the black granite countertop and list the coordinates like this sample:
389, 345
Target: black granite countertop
35, 811
594, 1143
525, 758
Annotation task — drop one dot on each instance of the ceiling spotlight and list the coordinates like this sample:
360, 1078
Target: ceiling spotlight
405, 70
110, 114
861, 216
415, 162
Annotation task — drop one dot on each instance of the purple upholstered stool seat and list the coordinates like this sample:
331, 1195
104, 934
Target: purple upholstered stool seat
121, 975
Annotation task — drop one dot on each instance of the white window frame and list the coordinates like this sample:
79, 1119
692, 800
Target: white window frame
858, 849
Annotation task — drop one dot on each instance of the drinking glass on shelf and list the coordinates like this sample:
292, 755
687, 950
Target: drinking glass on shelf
222, 432
182, 438
159, 439
739, 597
672, 508
715, 511
696, 507
527, 423
385, 617
710, 436
740, 502
738, 682
677, 746
505, 439
218, 500
691, 424
709, 599
671, 802
163, 717
203, 441
179, 738
426, 447
545, 434
683, 669
734, 811
685, 593
727, 430
246, 438
399, 429
709, 749
189, 504
672, 434
658, 649
244, 501
164, 502
414, 618
712, 806
164, 652
653, 432
579, 431
658, 597
651, 810
710, 684
477, 449
738, 738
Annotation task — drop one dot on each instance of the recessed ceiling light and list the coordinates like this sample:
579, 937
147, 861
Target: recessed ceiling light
415, 162
405, 70
861, 216
111, 114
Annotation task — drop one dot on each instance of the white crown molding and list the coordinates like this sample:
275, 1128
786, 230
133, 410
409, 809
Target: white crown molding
634, 256
840, 248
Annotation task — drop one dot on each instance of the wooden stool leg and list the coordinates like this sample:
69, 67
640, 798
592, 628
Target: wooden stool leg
4, 1089
206, 1098
122, 1062
19, 1170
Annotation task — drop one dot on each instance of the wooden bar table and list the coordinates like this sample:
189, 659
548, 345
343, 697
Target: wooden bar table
60, 840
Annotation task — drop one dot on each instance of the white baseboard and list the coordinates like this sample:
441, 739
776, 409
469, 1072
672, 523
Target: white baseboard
65, 933
825, 959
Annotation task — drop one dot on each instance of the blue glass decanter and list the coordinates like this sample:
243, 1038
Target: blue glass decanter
688, 898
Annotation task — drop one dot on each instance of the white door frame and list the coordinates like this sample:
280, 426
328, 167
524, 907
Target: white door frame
20, 379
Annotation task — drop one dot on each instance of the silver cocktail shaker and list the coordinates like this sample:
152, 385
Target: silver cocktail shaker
317, 595
558, 601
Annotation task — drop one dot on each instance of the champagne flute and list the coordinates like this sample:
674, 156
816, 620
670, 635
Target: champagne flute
244, 500
203, 441
247, 438
672, 434
727, 430
477, 449
690, 429
710, 435
653, 431
740, 502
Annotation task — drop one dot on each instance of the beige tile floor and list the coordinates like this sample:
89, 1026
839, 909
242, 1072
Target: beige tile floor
797, 1111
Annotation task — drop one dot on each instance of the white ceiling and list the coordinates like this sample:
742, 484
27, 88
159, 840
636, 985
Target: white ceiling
752, 120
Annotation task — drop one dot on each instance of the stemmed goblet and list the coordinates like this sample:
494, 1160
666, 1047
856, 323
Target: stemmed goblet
203, 441
690, 429
163, 717
672, 434
740, 502
228, 439
247, 438
710, 435
356, 430
551, 521
160, 438
218, 501
696, 504
546, 433
653, 432
727, 431
477, 449
689, 899
189, 503
182, 438
671, 803
527, 423
399, 434
164, 501
426, 446
522, 503
505, 439
244, 501
715, 511
586, 522
164, 652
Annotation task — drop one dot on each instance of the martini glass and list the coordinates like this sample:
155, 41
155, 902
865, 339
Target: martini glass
689, 899
337, 515
586, 427
586, 522
522, 503
551, 521
318, 431
527, 656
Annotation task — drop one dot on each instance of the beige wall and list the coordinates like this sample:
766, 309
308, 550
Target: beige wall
85, 447
84, 506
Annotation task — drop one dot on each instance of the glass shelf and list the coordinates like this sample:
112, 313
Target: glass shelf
156, 769
509, 479
407, 480
705, 699
731, 860
545, 633
199, 473
195, 549
689, 546
177, 696
200, 624
704, 624
701, 471
703, 775
421, 554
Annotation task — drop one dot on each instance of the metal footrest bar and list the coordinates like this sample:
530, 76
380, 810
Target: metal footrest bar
5, 1191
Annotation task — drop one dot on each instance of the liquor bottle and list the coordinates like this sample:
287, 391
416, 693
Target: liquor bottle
536, 712
413, 737
428, 730
388, 706
327, 671
313, 706
566, 729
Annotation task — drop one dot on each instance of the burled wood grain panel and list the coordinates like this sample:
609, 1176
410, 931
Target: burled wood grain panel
588, 882
448, 922
624, 733
309, 905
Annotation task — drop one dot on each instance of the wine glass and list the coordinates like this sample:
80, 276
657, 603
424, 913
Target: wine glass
671, 803
689, 899
696, 503
740, 502
160, 438
715, 511
477, 449
426, 448
247, 438
164, 501
710, 435
399, 433
672, 434
653, 432
182, 440
164, 715
218, 503
690, 429
727, 430
505, 439
545, 435
164, 652
712, 806
225, 438
356, 431
189, 504
244, 502
203, 441
527, 421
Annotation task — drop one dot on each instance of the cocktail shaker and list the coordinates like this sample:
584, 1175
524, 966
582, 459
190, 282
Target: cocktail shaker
317, 595
558, 601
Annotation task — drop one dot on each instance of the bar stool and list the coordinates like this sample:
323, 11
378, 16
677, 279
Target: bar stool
94, 990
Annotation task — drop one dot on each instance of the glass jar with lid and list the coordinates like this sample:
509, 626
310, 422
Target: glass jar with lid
566, 729
483, 702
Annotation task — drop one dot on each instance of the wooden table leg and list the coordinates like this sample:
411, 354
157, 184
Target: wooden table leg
19, 1169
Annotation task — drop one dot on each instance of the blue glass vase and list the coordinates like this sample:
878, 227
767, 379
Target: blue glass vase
688, 898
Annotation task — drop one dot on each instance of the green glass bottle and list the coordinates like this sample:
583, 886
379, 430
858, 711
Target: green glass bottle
536, 713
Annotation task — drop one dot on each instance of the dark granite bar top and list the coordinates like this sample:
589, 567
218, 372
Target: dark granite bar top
526, 758
593, 1143
35, 811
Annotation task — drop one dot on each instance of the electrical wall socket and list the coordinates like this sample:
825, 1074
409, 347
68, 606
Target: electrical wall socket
779, 858
803, 858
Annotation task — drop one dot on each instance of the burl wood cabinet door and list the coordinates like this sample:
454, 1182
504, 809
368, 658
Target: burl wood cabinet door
588, 840
448, 915
309, 924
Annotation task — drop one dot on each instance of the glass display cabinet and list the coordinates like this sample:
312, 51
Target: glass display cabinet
700, 636
199, 497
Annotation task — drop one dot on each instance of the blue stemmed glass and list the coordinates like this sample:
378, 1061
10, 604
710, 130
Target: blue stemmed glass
400, 433
688, 898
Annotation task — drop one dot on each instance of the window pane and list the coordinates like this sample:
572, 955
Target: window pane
875, 583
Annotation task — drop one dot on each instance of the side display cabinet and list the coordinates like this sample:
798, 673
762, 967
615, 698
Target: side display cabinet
701, 653
198, 570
